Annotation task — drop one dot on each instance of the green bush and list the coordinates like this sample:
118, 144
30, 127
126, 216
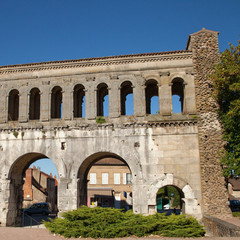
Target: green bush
100, 120
111, 223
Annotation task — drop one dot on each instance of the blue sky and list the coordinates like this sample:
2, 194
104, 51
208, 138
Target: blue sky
50, 30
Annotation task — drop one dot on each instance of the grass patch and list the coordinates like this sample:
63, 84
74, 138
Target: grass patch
111, 223
236, 214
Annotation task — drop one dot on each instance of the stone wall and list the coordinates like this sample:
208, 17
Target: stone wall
220, 228
204, 46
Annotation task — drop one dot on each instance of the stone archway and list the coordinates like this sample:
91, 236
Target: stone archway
91, 161
14, 191
190, 204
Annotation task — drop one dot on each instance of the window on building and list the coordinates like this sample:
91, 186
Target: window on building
124, 178
104, 178
102, 100
152, 99
129, 178
34, 104
13, 105
78, 101
177, 95
93, 178
56, 102
117, 178
127, 98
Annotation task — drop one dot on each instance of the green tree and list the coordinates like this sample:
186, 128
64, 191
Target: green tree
226, 83
170, 192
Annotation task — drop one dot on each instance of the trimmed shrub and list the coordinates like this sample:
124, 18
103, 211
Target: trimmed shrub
111, 223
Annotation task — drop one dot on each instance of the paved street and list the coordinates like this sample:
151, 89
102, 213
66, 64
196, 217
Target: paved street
35, 219
9, 233
39, 232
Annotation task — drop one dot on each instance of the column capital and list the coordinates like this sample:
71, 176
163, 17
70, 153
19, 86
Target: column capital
113, 76
189, 71
90, 78
164, 74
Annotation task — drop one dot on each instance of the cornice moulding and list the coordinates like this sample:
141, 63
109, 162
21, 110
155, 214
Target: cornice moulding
82, 63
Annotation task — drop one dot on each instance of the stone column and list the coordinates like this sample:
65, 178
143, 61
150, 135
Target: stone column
189, 95
139, 99
4, 202
91, 105
67, 104
140, 201
114, 101
67, 194
23, 106
3, 106
165, 94
45, 105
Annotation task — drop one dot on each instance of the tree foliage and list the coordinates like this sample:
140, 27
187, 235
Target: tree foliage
226, 82
170, 193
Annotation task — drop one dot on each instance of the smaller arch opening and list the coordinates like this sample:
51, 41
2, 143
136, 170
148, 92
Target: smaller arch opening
13, 105
34, 104
79, 101
56, 102
127, 98
152, 98
177, 95
102, 100
169, 200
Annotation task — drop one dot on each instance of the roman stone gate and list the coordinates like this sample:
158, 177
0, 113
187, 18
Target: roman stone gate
58, 110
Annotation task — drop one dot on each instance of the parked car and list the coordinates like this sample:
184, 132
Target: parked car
234, 205
166, 206
38, 208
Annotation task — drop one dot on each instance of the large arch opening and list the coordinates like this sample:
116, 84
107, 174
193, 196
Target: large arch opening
105, 180
33, 191
169, 200
13, 105
152, 99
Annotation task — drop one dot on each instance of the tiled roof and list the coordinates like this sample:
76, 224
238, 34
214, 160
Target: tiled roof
235, 182
98, 58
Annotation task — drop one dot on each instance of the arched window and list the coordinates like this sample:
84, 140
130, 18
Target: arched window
34, 104
56, 102
102, 100
152, 99
177, 95
126, 98
13, 105
79, 101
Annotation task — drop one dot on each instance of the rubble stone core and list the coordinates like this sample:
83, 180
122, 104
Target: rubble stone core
204, 46
41, 116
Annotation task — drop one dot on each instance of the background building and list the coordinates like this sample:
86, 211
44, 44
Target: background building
39, 187
109, 184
